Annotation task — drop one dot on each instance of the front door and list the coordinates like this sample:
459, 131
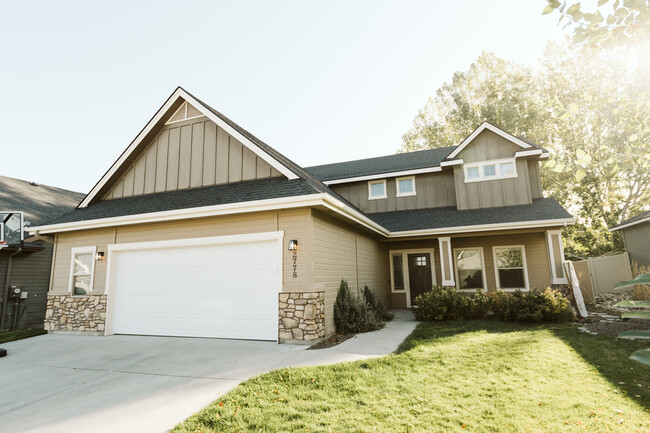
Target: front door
420, 279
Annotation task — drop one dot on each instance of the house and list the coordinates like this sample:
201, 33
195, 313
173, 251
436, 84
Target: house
636, 237
201, 229
25, 263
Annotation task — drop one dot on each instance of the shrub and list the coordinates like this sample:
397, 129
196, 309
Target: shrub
441, 303
446, 303
352, 315
640, 292
375, 304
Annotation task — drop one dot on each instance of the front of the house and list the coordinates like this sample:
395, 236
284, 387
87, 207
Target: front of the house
200, 229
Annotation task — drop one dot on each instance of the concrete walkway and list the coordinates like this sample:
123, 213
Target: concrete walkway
59, 383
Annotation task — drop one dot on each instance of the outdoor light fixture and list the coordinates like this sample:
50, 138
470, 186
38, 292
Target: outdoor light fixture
99, 256
293, 245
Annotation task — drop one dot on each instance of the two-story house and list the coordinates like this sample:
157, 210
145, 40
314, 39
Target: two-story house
201, 229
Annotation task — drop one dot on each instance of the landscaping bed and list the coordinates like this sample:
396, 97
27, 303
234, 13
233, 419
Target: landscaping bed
482, 376
7, 336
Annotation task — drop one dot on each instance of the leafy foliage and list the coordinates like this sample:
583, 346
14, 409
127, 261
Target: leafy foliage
352, 315
446, 303
374, 303
642, 356
590, 110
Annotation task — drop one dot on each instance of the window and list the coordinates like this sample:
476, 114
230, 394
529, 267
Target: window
398, 272
405, 186
81, 270
490, 170
510, 268
556, 256
420, 261
376, 189
470, 269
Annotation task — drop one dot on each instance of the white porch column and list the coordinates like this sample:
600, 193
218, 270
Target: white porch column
556, 256
446, 262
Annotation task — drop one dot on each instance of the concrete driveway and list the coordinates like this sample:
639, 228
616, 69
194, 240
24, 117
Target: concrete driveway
61, 383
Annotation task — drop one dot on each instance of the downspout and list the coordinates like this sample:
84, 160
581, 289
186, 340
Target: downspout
5, 296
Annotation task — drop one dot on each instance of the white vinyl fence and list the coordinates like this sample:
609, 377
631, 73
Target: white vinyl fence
598, 275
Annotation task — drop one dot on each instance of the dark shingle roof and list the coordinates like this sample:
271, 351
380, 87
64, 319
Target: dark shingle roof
39, 203
238, 192
443, 217
634, 219
382, 164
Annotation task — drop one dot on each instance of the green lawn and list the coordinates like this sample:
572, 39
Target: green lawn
8, 336
478, 376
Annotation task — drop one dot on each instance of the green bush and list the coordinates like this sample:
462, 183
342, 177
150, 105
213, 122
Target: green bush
352, 315
375, 304
446, 303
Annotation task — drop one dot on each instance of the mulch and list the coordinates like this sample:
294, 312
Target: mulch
614, 328
332, 341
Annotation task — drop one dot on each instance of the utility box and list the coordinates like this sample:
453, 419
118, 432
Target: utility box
15, 292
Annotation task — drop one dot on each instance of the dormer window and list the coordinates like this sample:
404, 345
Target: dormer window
490, 170
405, 186
377, 189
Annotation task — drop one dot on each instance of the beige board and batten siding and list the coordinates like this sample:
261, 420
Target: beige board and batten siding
341, 252
492, 193
295, 223
432, 190
189, 154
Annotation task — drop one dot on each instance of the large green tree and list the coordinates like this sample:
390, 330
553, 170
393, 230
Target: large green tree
591, 112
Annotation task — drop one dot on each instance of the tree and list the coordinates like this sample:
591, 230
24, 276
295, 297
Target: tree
590, 110
626, 22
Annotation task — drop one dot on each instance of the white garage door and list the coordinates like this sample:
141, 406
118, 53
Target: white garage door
214, 289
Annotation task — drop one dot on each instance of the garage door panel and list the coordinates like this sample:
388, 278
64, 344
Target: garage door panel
225, 291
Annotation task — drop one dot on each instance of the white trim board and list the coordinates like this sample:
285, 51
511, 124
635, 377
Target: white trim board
500, 132
179, 93
81, 250
383, 175
405, 271
633, 223
457, 271
496, 268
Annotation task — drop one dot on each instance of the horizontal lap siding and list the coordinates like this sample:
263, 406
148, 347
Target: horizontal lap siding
295, 223
339, 252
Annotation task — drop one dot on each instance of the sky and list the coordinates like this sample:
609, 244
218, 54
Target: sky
320, 81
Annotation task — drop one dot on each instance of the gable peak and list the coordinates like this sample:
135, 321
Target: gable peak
185, 111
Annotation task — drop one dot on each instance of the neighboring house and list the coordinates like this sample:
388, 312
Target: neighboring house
26, 265
201, 229
636, 237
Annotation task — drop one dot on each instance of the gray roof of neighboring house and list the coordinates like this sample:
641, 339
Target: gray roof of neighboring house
443, 217
382, 164
39, 203
262, 189
634, 220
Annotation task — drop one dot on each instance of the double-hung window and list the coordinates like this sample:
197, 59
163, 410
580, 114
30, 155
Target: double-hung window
510, 267
377, 189
470, 269
82, 269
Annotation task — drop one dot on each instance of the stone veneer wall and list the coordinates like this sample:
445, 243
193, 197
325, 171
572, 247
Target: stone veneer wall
67, 313
301, 317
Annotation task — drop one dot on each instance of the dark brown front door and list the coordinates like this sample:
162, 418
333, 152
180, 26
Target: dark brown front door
419, 274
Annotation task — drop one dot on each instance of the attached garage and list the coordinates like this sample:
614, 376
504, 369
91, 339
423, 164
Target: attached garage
219, 287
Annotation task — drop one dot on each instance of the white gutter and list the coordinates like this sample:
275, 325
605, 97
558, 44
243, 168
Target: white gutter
383, 175
613, 229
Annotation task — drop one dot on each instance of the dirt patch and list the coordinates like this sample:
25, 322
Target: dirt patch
614, 328
332, 341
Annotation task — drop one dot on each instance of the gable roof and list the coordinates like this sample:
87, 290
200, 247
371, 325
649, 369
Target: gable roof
637, 219
180, 95
39, 203
402, 163
524, 144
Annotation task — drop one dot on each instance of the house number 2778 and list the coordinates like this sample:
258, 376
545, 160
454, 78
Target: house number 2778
295, 264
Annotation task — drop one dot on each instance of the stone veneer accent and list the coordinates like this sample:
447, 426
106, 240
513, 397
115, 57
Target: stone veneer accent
301, 317
68, 313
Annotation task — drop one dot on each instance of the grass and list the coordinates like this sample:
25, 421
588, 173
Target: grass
480, 376
8, 336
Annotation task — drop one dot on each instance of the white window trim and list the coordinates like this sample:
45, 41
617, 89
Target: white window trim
496, 267
376, 197
496, 162
482, 269
82, 250
405, 270
404, 194
182, 107
551, 256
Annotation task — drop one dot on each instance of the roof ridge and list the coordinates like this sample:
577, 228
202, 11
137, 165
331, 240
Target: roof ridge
381, 156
